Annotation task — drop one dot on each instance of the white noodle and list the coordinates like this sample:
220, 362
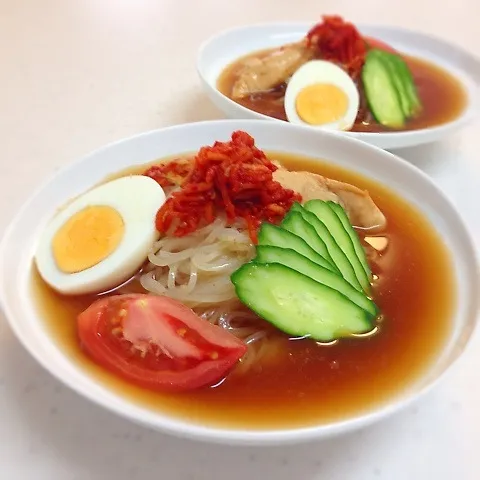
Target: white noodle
172, 273
196, 269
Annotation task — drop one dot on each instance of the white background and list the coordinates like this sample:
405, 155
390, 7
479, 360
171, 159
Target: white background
77, 74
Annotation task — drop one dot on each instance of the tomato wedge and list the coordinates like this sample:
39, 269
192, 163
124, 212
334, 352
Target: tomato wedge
374, 43
156, 342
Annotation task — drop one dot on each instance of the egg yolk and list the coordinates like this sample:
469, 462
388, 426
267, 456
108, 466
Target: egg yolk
87, 238
321, 103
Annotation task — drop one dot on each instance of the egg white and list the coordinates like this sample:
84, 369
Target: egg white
137, 199
321, 71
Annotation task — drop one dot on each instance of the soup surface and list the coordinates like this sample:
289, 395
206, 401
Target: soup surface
301, 383
442, 96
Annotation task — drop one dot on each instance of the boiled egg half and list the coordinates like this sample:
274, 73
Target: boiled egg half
102, 238
321, 94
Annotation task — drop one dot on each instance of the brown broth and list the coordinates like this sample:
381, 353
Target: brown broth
442, 95
305, 384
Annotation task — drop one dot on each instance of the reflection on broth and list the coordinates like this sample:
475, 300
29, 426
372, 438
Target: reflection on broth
378, 243
299, 383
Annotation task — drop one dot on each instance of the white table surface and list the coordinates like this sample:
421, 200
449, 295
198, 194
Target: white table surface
78, 74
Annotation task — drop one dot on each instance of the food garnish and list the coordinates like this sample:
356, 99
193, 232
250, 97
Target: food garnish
321, 93
359, 251
296, 222
292, 259
389, 88
101, 238
156, 342
297, 304
280, 237
172, 173
349, 264
234, 177
288, 275
339, 42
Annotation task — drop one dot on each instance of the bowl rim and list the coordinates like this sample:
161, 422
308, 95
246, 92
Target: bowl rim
234, 435
470, 85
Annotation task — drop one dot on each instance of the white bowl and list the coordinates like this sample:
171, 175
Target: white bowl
19, 244
224, 48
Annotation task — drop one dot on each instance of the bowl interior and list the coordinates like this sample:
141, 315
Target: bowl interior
221, 50
20, 241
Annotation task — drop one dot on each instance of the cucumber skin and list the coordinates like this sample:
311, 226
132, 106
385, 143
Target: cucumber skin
374, 62
399, 84
408, 82
402, 79
292, 259
317, 258
353, 256
296, 327
289, 222
319, 207
315, 220
342, 215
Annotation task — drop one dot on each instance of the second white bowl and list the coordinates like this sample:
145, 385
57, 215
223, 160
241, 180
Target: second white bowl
226, 47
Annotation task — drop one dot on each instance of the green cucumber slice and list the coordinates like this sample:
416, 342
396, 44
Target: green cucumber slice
409, 89
298, 305
291, 259
382, 96
339, 257
295, 223
348, 262
272, 235
360, 252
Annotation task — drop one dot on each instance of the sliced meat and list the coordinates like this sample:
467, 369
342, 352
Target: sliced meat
264, 72
358, 204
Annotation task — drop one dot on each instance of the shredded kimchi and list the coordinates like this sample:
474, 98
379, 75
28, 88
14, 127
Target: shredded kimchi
234, 177
340, 42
